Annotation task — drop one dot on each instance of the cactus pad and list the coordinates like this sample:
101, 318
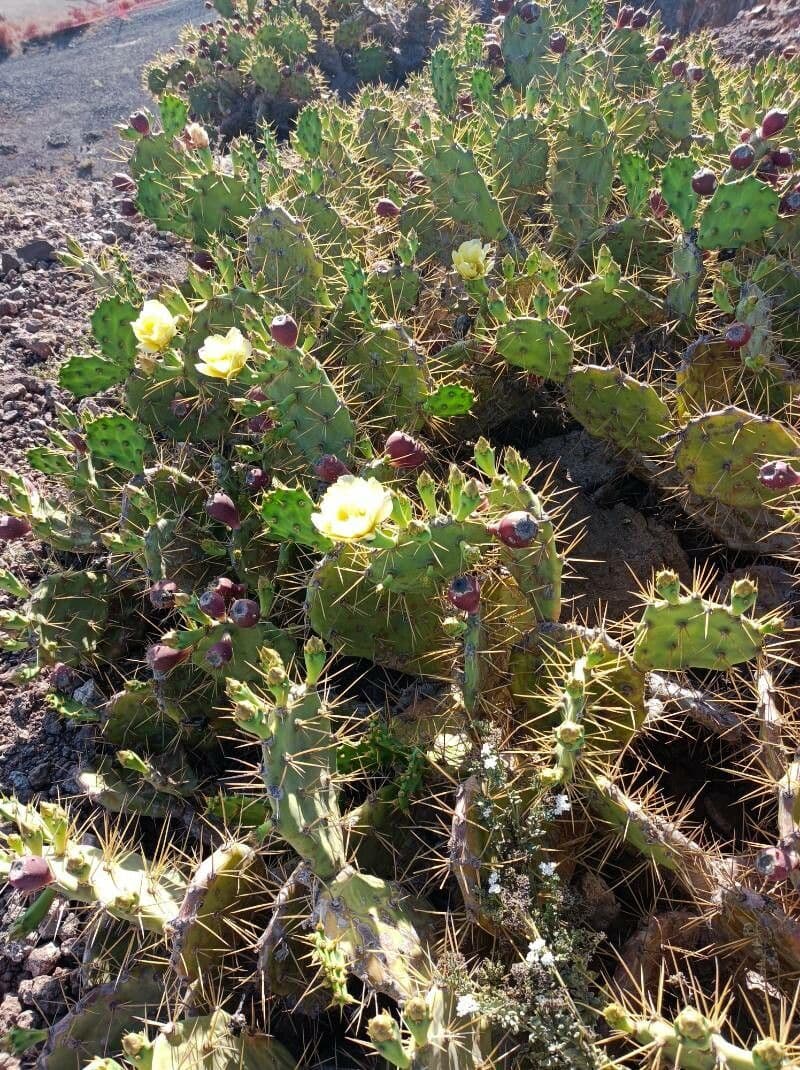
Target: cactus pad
117, 440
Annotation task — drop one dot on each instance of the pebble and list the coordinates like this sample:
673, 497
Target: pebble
8, 264
38, 249
43, 960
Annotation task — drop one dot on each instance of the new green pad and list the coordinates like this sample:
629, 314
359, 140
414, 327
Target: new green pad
118, 440
740, 212
111, 326
86, 375
538, 346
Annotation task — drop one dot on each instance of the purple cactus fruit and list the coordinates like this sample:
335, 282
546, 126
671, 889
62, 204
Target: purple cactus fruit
773, 122
140, 123
768, 172
790, 203
284, 330
256, 479
738, 335
775, 864
530, 12
122, 183
745, 135
163, 659
212, 603
503, 7
76, 440
162, 595
180, 408
465, 103
704, 182
494, 54
558, 43
658, 206
624, 16
13, 528
416, 181
696, 74
742, 157
640, 19
782, 158
778, 475
30, 874
679, 68
404, 451
260, 424
221, 508
220, 653
386, 209
62, 677
328, 468
245, 613
229, 589
127, 208
255, 393
464, 593
666, 42
658, 55
203, 260
517, 529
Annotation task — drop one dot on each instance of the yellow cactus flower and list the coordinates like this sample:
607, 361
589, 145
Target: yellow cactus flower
352, 509
196, 136
154, 327
473, 260
222, 356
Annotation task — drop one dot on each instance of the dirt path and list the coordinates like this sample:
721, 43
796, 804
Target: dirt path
59, 101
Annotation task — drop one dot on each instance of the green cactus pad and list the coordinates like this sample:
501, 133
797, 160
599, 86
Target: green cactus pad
391, 373
739, 212
287, 515
525, 45
538, 346
246, 642
458, 190
68, 612
444, 80
599, 310
634, 172
718, 455
86, 375
174, 113
676, 189
674, 111
618, 408
520, 153
111, 326
51, 462
449, 401
580, 176
280, 251
117, 440
682, 630
217, 204
215, 1043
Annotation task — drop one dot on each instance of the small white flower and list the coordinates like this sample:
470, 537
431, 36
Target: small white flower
494, 889
562, 805
547, 958
537, 945
490, 762
486, 748
547, 868
467, 1005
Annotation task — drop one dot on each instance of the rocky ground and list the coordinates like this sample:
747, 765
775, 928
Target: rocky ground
55, 155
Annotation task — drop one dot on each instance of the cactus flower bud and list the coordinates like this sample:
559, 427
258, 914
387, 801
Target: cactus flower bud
640, 19
386, 209
229, 589
140, 123
162, 595
245, 613
696, 74
256, 479
738, 335
704, 182
163, 659
773, 122
742, 157
284, 330
30, 874
220, 653
404, 451
679, 68
778, 475
558, 43
212, 603
624, 16
530, 12
13, 528
328, 468
658, 55
464, 593
517, 529
221, 508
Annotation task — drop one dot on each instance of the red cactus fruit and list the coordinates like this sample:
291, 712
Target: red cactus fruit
255, 480
773, 122
742, 157
738, 335
416, 181
284, 330
502, 7
494, 54
640, 19
666, 41
220, 653
180, 408
530, 12
122, 183
30, 874
790, 203
386, 209
13, 528
778, 475
696, 74
140, 123
464, 593
404, 451
62, 677
162, 595
203, 260
328, 468
679, 68
245, 613
745, 135
221, 508
163, 659
558, 43
624, 16
212, 603
782, 158
658, 55
517, 529
229, 589
704, 182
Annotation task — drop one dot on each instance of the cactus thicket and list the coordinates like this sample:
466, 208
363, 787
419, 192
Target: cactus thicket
368, 785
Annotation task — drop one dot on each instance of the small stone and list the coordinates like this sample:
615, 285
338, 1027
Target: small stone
43, 960
38, 249
109, 237
46, 994
40, 776
56, 140
8, 308
121, 228
7, 149
8, 263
